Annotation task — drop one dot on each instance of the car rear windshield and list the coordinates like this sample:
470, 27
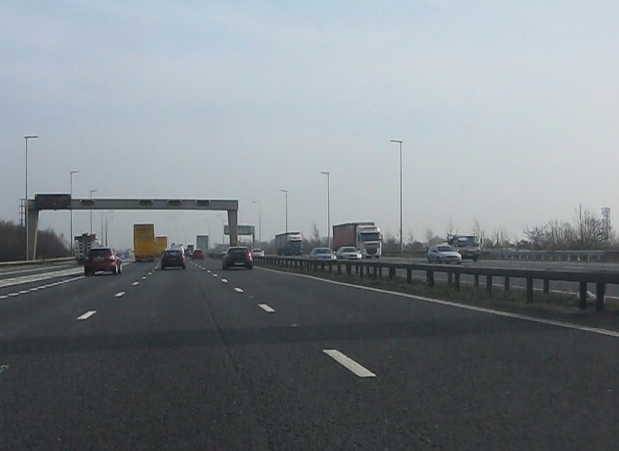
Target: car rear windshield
172, 253
95, 252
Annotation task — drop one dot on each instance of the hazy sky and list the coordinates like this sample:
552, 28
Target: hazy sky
508, 111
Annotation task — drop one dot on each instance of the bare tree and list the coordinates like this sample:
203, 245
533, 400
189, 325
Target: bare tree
589, 229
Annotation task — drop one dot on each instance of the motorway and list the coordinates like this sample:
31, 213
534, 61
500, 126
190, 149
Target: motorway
204, 359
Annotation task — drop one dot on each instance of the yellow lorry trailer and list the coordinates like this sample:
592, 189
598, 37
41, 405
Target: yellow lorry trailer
144, 242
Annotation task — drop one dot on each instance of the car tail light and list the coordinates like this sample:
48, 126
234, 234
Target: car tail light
111, 258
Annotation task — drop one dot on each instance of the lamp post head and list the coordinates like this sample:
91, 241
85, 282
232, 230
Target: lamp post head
399, 141
27, 137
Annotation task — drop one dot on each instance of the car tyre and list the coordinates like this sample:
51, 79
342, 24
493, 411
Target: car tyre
114, 270
162, 267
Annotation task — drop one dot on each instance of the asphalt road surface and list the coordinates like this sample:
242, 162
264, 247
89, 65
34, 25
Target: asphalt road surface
205, 359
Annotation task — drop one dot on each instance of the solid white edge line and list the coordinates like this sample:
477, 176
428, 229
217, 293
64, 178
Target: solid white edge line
595, 330
267, 308
348, 363
87, 315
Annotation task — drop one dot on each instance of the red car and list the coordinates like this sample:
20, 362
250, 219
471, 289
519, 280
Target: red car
197, 253
102, 259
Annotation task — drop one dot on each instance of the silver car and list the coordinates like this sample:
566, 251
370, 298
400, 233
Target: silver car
322, 253
348, 253
444, 253
257, 252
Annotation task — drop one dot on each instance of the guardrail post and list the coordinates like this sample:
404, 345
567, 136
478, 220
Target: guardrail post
489, 285
457, 281
582, 297
391, 273
360, 271
339, 268
348, 269
506, 284
600, 291
449, 278
380, 272
546, 289
430, 278
375, 271
409, 276
529, 290
476, 280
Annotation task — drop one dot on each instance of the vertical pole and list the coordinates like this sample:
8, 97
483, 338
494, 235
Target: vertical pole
26, 201
399, 141
27, 137
401, 241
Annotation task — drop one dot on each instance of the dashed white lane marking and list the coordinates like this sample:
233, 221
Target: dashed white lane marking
4, 297
214, 275
266, 308
208, 271
224, 280
143, 277
3, 368
87, 315
119, 294
135, 283
238, 290
348, 363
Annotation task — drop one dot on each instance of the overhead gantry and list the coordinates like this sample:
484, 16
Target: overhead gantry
65, 202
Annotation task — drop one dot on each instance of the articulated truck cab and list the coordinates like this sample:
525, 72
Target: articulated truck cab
469, 246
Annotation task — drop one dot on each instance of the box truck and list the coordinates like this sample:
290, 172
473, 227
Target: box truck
144, 242
161, 244
289, 243
202, 242
365, 236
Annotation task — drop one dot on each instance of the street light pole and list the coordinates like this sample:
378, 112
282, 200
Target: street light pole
27, 137
399, 141
286, 192
91, 191
71, 191
328, 174
259, 220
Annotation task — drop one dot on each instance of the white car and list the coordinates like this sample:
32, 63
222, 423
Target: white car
257, 252
322, 253
348, 253
444, 253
